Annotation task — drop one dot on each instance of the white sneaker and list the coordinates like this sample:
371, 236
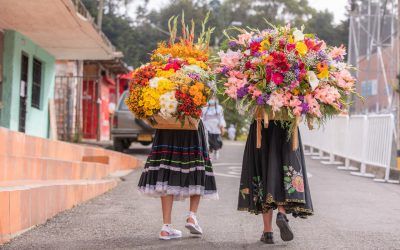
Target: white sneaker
172, 233
216, 155
194, 228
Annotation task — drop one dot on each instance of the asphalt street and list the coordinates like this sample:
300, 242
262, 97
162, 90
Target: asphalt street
350, 213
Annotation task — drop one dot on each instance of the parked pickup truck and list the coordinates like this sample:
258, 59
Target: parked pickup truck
127, 129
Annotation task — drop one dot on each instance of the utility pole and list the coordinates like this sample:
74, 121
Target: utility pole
100, 13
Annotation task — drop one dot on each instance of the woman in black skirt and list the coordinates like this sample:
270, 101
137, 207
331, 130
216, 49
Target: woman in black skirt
274, 177
177, 168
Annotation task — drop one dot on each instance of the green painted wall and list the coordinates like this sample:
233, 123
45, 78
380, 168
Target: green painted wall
37, 120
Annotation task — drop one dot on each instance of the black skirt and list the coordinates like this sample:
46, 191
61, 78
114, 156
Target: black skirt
214, 141
274, 174
179, 165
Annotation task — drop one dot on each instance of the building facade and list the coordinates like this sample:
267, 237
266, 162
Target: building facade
27, 85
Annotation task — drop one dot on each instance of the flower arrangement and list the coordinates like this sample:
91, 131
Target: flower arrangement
171, 89
283, 74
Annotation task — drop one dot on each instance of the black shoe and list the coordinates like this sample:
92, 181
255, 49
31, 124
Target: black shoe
267, 238
283, 224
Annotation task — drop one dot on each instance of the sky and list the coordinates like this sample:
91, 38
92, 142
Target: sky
338, 7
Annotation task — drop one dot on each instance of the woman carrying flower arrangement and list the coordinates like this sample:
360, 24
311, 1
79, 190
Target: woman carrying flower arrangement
281, 76
173, 88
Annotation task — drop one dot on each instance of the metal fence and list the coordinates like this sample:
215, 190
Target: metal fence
367, 140
76, 103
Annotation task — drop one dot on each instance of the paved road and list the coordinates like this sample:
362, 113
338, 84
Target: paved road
351, 213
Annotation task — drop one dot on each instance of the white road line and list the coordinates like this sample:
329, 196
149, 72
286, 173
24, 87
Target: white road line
227, 175
226, 164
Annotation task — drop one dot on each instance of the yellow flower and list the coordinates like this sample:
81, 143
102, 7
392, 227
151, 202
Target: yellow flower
165, 73
301, 48
265, 44
193, 61
150, 100
291, 39
323, 74
165, 85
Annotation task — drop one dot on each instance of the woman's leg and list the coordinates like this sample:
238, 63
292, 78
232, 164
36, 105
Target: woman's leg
267, 218
281, 209
166, 204
194, 205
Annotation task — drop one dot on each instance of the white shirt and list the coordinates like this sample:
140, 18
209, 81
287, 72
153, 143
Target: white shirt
213, 118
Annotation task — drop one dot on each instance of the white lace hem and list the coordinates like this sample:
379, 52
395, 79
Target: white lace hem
179, 193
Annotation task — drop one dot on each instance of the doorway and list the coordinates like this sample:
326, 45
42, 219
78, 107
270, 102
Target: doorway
23, 92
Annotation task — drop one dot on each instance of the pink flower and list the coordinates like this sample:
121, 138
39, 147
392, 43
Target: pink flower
327, 94
244, 38
298, 183
344, 79
338, 52
277, 78
230, 58
236, 80
276, 101
256, 93
313, 105
297, 110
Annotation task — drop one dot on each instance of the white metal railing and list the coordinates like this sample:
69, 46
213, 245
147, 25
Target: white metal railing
359, 138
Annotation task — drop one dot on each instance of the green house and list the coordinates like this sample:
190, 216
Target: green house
27, 86
33, 36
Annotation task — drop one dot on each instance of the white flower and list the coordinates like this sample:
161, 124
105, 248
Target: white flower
298, 35
312, 79
193, 69
153, 82
168, 104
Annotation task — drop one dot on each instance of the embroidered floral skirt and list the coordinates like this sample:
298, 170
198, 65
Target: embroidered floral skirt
179, 165
274, 174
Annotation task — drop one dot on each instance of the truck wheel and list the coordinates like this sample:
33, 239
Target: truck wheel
118, 145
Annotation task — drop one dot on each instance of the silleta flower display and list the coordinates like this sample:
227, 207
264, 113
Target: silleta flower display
170, 91
283, 74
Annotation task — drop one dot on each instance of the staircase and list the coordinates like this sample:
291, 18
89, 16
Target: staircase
40, 178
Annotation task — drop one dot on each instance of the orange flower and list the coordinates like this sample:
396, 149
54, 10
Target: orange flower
193, 90
198, 99
184, 88
322, 66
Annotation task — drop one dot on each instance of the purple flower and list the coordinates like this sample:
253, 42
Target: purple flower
304, 108
242, 92
224, 70
257, 39
262, 99
194, 76
256, 54
301, 98
232, 44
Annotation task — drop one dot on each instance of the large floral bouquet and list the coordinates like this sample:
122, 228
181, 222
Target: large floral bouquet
170, 91
283, 74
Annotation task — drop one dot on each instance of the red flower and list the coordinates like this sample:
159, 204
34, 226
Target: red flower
277, 78
290, 46
280, 61
248, 65
255, 46
282, 43
312, 45
173, 65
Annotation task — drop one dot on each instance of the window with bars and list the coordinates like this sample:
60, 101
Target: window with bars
37, 83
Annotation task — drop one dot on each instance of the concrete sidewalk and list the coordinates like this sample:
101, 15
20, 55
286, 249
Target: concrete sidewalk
350, 213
